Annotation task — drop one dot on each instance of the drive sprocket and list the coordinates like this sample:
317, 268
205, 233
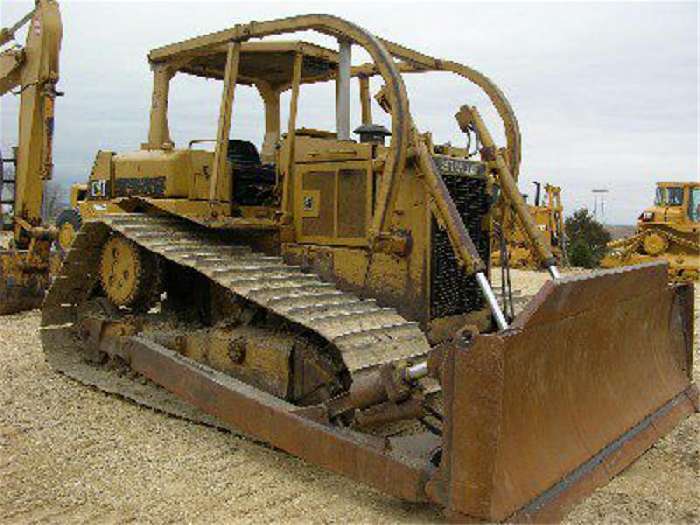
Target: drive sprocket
126, 272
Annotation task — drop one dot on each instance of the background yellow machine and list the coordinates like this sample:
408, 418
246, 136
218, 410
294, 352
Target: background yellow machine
330, 295
548, 213
668, 231
33, 71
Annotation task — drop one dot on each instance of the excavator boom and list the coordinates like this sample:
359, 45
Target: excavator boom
31, 70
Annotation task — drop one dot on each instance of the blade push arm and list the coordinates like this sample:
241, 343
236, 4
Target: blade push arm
469, 116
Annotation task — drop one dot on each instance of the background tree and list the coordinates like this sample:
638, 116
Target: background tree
587, 239
55, 201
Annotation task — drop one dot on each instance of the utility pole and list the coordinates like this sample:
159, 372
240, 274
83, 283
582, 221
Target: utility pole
599, 202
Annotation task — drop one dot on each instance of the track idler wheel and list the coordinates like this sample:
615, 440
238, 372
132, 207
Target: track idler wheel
68, 223
127, 273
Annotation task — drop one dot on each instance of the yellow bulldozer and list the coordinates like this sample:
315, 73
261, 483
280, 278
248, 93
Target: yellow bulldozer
329, 294
32, 69
512, 247
668, 231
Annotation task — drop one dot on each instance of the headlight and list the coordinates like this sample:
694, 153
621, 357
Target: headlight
648, 216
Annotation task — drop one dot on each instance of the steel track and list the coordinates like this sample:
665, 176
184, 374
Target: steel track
365, 334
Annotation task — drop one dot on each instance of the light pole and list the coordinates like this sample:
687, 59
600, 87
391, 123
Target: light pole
599, 198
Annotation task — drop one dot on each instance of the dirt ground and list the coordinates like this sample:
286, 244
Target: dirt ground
71, 453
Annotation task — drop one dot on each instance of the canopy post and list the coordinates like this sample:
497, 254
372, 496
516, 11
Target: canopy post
365, 101
342, 90
291, 130
216, 183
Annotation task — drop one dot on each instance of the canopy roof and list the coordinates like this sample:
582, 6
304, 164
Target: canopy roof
266, 61
691, 184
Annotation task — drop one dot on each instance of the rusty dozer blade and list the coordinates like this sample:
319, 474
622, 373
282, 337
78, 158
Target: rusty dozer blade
589, 375
19, 290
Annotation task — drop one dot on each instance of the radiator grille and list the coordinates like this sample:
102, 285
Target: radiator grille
452, 291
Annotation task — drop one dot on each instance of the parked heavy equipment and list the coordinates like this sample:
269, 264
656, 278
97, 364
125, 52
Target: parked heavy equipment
331, 296
548, 213
32, 69
668, 231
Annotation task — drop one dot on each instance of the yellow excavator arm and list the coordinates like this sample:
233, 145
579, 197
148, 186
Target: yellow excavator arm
32, 70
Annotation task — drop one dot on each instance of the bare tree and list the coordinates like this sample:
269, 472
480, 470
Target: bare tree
55, 200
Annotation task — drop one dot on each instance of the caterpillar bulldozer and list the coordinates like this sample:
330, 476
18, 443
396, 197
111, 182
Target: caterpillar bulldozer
668, 231
330, 295
512, 247
32, 69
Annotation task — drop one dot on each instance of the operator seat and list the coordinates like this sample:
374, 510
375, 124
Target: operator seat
243, 152
253, 182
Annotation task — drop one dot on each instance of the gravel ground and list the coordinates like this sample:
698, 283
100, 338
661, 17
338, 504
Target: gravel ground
71, 453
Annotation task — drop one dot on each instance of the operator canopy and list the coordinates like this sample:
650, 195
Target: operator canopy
269, 62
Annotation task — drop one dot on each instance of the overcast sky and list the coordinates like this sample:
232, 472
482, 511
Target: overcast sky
606, 93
